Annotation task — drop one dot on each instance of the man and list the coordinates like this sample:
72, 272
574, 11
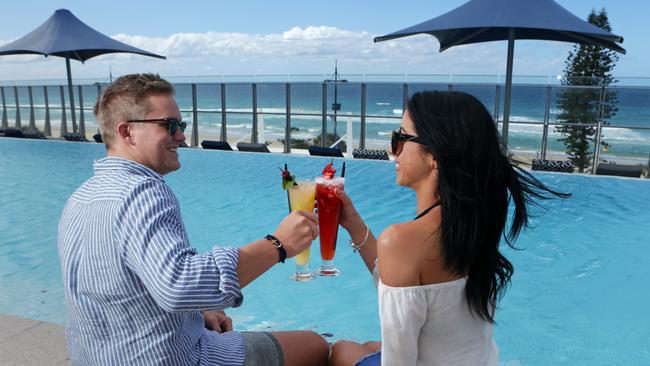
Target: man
136, 292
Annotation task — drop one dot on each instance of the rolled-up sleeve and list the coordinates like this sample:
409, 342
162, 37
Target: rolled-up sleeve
156, 248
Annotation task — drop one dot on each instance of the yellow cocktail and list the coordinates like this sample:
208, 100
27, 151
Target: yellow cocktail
302, 197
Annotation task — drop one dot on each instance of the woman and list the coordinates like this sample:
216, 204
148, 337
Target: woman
440, 275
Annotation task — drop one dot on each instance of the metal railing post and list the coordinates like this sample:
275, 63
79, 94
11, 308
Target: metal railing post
547, 114
362, 128
18, 123
497, 104
224, 136
32, 118
254, 138
405, 97
82, 120
5, 123
195, 118
64, 123
323, 132
47, 129
287, 126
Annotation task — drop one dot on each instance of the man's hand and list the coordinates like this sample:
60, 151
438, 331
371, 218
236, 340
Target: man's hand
297, 231
217, 321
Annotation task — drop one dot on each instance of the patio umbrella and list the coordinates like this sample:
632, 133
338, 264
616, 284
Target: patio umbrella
64, 35
495, 20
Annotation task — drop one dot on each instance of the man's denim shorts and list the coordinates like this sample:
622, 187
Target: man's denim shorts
262, 349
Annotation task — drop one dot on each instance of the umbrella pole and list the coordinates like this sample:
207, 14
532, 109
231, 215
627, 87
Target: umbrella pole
506, 106
74, 119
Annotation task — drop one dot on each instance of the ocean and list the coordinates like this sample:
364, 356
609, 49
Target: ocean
383, 104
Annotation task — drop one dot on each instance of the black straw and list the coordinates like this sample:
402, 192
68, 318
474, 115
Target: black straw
343, 171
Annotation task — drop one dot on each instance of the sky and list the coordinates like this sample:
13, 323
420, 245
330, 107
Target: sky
261, 37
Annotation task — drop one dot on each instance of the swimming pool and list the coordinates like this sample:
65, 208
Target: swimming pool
579, 293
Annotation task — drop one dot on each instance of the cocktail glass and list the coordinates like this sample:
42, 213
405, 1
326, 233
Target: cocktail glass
302, 197
329, 211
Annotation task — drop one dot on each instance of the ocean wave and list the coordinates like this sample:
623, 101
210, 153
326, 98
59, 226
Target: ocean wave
241, 125
398, 111
382, 103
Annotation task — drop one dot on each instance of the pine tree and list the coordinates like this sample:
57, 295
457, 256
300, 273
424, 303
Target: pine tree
589, 66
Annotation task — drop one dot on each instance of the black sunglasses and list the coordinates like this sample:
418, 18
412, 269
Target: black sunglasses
398, 139
172, 123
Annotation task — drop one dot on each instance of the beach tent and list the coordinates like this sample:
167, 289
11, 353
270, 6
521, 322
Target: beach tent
496, 20
64, 35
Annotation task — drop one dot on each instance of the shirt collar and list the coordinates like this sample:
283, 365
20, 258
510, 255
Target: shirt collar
114, 163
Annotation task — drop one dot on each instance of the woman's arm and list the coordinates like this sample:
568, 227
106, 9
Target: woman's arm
357, 229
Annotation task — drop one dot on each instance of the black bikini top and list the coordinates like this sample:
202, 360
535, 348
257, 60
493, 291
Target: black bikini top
427, 210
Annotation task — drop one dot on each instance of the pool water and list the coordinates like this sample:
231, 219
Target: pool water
580, 292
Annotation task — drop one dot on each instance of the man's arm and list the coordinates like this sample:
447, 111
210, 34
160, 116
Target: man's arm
296, 232
154, 244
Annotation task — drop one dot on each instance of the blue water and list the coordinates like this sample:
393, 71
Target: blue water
383, 99
579, 294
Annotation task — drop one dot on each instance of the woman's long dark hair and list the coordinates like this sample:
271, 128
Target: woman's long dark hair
476, 181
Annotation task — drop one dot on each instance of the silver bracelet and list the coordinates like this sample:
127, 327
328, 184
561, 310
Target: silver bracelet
357, 247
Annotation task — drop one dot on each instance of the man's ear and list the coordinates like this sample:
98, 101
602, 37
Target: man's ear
123, 132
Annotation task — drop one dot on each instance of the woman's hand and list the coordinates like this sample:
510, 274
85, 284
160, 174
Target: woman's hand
350, 218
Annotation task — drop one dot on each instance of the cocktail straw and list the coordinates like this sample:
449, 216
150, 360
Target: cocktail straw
343, 171
288, 199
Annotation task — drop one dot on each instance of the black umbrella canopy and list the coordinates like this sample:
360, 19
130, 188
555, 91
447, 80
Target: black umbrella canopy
496, 20
64, 35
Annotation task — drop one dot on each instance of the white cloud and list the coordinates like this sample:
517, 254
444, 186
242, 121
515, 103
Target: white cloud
297, 50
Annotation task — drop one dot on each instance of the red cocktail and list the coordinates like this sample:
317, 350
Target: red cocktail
329, 211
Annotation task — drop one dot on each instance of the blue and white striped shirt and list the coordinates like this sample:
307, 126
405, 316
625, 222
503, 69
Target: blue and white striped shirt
134, 288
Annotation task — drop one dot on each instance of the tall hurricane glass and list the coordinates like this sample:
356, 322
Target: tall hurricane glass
302, 197
329, 211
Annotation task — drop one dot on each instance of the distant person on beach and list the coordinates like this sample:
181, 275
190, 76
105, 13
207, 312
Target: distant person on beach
440, 275
136, 292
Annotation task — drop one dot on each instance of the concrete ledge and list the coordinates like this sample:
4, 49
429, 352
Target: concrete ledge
28, 342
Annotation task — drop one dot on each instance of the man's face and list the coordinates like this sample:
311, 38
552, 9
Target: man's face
155, 147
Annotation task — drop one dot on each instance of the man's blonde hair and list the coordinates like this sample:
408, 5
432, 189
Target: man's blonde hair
125, 99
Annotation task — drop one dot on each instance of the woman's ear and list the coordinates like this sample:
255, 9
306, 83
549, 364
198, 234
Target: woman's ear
433, 162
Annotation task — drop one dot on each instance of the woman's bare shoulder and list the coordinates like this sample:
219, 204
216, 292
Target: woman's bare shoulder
398, 256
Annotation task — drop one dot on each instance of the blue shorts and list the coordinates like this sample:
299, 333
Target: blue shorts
373, 359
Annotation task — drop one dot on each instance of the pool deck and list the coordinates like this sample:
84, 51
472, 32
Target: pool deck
28, 342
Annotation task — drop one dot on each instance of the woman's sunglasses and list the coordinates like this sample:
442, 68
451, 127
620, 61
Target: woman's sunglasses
398, 139
172, 123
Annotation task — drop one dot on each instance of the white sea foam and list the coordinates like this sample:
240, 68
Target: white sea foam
398, 111
383, 103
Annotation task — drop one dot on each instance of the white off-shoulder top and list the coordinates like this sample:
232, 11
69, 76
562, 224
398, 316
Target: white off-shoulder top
432, 325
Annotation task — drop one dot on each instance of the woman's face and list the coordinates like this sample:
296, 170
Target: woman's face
414, 165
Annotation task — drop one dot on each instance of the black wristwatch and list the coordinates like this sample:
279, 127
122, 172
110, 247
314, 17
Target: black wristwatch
278, 245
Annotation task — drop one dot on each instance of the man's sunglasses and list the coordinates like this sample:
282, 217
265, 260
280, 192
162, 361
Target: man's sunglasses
398, 139
172, 123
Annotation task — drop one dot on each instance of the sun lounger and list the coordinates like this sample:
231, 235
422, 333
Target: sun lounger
370, 154
621, 170
563, 166
325, 151
216, 145
74, 136
247, 146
